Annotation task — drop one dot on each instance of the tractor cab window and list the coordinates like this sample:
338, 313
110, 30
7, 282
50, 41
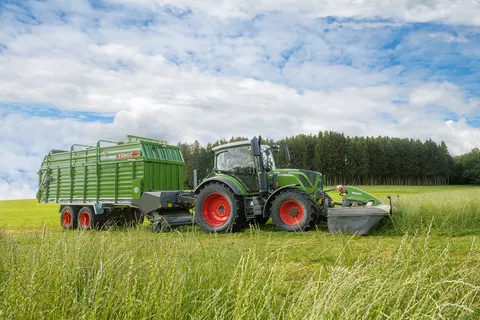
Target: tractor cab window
237, 159
268, 161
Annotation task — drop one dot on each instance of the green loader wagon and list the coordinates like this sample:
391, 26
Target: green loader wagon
95, 185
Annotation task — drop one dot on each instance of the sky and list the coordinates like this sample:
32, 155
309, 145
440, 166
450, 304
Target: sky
185, 70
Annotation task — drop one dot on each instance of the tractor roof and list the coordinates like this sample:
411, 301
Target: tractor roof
232, 144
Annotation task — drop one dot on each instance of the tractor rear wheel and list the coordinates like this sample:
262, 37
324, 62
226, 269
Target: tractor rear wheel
293, 210
68, 218
218, 209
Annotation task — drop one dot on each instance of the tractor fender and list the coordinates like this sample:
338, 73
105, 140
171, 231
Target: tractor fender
227, 182
270, 198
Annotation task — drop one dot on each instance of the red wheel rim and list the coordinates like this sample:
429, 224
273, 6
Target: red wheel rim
291, 212
84, 219
67, 218
216, 209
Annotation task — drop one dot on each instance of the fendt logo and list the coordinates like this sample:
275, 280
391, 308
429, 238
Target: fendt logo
120, 156
127, 155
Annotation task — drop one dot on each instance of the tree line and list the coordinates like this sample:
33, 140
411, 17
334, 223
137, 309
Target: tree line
466, 169
356, 160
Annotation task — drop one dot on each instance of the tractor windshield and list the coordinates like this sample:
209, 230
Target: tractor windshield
268, 161
234, 159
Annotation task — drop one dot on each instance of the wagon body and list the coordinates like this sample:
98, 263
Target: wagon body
110, 172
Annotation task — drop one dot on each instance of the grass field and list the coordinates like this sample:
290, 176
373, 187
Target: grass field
422, 263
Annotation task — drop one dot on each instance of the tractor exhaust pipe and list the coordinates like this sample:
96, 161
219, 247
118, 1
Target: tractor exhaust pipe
195, 179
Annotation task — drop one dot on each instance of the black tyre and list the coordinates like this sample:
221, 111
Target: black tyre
294, 210
218, 209
68, 218
87, 219
323, 210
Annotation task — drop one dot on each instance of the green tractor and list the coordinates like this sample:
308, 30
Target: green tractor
246, 187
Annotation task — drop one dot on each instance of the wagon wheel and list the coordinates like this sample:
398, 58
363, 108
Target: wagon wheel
68, 217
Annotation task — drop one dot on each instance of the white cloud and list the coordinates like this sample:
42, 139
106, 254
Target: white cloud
25, 140
16, 190
450, 11
445, 95
467, 137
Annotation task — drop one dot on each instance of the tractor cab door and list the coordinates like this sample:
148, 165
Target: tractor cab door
239, 163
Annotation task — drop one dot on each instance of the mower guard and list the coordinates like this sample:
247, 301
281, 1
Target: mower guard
355, 220
359, 214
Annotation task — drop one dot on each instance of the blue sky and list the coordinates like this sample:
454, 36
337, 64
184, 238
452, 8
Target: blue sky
79, 71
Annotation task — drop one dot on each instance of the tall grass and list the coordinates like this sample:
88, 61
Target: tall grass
451, 213
258, 274
135, 274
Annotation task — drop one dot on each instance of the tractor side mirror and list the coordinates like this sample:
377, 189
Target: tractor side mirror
287, 154
255, 147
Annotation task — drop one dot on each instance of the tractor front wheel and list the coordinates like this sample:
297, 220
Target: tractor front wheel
218, 209
293, 210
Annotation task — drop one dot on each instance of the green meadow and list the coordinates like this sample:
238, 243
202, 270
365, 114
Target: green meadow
421, 263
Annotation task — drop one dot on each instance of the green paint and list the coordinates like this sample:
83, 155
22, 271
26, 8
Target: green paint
136, 189
235, 181
357, 194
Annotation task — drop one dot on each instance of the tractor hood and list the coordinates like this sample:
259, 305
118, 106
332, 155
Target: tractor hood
306, 178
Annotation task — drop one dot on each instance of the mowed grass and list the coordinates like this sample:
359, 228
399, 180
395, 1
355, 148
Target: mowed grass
28, 214
415, 266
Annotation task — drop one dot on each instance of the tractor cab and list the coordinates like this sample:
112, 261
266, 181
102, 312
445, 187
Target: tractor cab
237, 160
237, 155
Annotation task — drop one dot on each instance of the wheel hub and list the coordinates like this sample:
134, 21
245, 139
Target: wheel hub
294, 212
291, 212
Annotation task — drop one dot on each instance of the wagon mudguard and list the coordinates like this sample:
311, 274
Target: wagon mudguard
97, 207
239, 190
